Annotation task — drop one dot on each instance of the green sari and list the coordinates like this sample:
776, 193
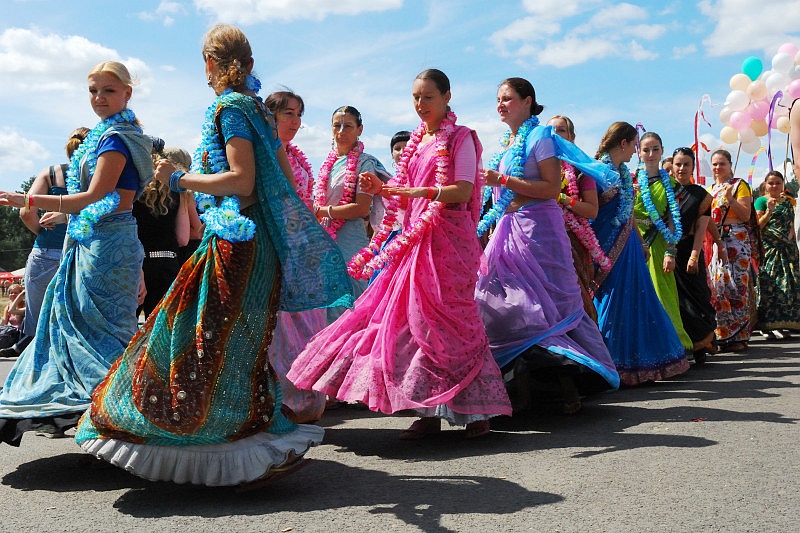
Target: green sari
778, 284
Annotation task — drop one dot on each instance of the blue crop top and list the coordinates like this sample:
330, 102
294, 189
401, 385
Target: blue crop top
129, 179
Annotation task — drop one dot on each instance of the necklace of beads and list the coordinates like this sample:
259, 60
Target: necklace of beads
516, 169
578, 225
224, 220
372, 258
672, 237
81, 226
349, 188
303, 175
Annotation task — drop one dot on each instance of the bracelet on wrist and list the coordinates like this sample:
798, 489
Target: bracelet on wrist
503, 180
330, 214
438, 194
429, 194
572, 202
174, 181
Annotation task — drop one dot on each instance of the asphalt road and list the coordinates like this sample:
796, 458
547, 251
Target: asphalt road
713, 450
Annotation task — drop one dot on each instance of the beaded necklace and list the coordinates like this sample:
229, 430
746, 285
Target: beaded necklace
350, 177
303, 175
224, 220
516, 170
672, 237
372, 258
578, 225
81, 226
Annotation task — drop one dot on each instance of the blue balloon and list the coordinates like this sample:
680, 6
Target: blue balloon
752, 67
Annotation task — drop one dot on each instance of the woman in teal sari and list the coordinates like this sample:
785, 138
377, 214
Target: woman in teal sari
778, 283
194, 398
89, 310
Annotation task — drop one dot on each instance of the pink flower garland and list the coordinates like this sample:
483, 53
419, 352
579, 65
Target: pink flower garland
303, 174
364, 264
579, 225
350, 177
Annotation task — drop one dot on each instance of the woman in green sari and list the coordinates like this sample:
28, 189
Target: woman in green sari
778, 284
658, 219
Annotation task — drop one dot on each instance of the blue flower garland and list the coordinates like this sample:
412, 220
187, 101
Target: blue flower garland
516, 170
224, 220
652, 212
626, 198
81, 226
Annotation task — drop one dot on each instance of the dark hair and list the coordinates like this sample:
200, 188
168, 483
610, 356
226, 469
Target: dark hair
524, 89
651, 135
400, 136
614, 135
774, 173
348, 110
438, 78
685, 151
279, 100
724, 153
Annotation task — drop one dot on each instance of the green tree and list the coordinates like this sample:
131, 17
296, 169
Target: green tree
15, 239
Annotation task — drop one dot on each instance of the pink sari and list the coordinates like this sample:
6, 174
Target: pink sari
415, 340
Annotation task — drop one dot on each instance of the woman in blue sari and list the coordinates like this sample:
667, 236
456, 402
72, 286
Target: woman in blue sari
89, 310
635, 327
194, 398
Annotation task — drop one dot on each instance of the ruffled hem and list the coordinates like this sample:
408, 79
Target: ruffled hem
212, 465
453, 418
632, 378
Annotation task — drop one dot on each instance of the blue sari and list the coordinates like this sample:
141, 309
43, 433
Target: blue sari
638, 332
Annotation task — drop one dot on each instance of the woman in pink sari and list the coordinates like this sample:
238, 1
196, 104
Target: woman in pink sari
414, 342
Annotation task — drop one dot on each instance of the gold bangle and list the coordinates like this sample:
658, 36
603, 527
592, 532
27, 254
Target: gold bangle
60, 197
24, 209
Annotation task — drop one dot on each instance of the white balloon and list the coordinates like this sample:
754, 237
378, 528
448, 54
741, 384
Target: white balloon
777, 82
795, 73
782, 62
737, 100
725, 114
751, 147
746, 136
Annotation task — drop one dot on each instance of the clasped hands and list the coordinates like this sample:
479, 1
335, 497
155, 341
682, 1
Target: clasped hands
371, 184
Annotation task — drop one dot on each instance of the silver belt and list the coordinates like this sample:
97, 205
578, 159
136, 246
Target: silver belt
162, 253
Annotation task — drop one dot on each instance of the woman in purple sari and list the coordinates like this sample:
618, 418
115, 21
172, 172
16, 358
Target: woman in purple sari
529, 296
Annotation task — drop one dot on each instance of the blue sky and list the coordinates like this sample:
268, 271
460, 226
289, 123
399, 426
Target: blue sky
646, 62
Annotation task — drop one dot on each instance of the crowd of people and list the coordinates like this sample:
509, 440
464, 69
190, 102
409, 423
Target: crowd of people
448, 289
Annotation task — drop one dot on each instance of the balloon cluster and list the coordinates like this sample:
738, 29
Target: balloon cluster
760, 99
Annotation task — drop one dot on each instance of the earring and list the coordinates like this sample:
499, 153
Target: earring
209, 80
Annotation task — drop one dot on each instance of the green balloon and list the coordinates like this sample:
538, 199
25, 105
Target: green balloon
752, 67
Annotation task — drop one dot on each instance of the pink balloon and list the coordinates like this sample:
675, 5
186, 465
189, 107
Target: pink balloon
794, 88
788, 48
740, 120
758, 110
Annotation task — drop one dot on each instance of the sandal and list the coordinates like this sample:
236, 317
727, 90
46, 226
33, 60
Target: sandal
289, 466
476, 429
422, 428
571, 408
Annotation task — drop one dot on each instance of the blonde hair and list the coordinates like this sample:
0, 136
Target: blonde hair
75, 139
156, 195
228, 46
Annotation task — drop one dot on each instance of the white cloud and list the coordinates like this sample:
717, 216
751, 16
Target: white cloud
248, 12
639, 53
679, 52
744, 25
574, 51
17, 155
163, 13
617, 16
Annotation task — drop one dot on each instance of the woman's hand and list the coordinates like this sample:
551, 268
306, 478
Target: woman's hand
164, 169
370, 183
492, 177
408, 192
669, 264
51, 218
12, 199
771, 203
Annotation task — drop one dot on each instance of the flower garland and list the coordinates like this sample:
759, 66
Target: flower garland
350, 179
516, 170
224, 220
672, 237
372, 258
303, 174
579, 225
626, 195
81, 226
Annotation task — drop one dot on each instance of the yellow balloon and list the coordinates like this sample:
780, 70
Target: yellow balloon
783, 124
739, 82
728, 135
757, 90
760, 127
